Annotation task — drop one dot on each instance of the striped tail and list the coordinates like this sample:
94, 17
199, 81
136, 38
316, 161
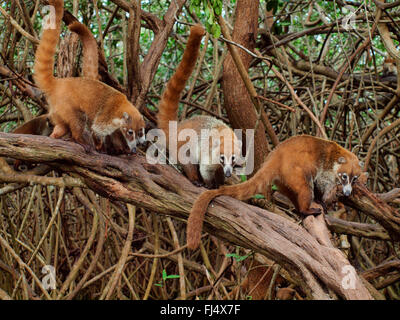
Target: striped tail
90, 64
240, 191
168, 106
44, 60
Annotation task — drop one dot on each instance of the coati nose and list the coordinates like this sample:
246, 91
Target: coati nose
228, 172
347, 190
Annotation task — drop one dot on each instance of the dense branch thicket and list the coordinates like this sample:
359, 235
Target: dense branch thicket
113, 227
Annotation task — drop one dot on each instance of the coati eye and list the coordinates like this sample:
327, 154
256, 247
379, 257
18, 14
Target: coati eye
233, 159
222, 159
355, 178
130, 132
344, 176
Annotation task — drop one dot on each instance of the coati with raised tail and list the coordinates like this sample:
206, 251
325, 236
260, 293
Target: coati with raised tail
299, 167
211, 174
41, 125
114, 144
76, 101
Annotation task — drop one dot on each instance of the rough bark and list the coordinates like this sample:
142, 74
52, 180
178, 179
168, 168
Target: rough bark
161, 189
374, 207
237, 101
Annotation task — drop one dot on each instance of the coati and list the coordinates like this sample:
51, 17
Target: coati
211, 174
114, 144
298, 167
75, 101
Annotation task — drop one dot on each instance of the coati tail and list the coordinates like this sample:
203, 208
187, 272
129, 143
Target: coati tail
168, 106
240, 191
90, 64
44, 60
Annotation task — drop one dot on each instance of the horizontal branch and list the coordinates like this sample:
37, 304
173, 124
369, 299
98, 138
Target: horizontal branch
161, 189
357, 229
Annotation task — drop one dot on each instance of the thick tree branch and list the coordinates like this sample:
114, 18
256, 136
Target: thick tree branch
160, 188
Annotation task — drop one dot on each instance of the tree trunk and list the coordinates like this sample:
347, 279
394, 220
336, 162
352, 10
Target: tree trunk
238, 104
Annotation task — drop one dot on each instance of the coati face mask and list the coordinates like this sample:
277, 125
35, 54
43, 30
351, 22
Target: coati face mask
349, 171
133, 131
230, 156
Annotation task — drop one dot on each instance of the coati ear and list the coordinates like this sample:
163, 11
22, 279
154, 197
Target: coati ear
363, 178
342, 160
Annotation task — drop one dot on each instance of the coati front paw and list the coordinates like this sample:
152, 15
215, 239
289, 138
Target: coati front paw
314, 209
198, 184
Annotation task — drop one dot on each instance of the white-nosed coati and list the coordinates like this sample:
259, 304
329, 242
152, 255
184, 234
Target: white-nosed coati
76, 101
114, 144
226, 150
298, 167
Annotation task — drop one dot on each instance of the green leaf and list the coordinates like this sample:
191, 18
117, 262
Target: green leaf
237, 257
210, 19
272, 5
243, 178
215, 30
259, 196
173, 276
164, 274
218, 9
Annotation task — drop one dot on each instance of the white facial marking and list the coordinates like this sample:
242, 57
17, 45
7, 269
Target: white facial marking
102, 130
142, 139
347, 189
117, 122
132, 145
228, 170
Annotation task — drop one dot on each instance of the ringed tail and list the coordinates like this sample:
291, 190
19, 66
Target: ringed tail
168, 106
90, 61
44, 59
241, 191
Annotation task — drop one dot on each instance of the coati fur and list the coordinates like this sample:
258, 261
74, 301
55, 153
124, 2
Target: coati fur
211, 174
40, 126
304, 168
90, 60
389, 67
114, 144
74, 102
